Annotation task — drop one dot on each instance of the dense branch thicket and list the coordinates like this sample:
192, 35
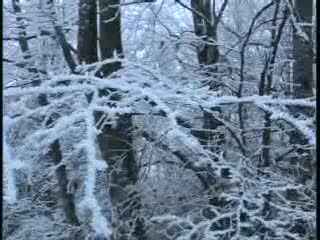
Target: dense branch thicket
159, 120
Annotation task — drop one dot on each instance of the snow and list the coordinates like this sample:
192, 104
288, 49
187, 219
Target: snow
99, 222
10, 164
160, 84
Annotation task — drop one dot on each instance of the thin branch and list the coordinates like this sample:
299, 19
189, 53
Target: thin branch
233, 134
223, 7
196, 12
248, 35
137, 2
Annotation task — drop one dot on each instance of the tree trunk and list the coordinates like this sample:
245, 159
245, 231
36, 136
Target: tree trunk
87, 33
303, 53
110, 34
116, 148
116, 142
205, 24
303, 83
62, 40
67, 199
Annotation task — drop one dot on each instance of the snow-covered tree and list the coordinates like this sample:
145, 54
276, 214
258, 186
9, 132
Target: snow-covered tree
170, 119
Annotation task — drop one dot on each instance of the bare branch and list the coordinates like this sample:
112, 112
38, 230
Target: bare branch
223, 7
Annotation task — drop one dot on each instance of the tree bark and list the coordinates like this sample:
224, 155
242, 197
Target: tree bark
123, 173
303, 53
87, 33
67, 199
205, 24
62, 40
116, 142
303, 83
110, 34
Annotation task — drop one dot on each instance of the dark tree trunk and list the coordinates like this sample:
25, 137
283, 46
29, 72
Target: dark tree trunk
87, 33
116, 143
65, 48
62, 40
116, 148
66, 198
110, 34
303, 53
205, 24
303, 83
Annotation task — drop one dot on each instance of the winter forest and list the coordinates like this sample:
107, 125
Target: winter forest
159, 120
